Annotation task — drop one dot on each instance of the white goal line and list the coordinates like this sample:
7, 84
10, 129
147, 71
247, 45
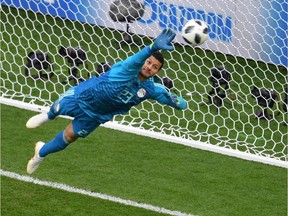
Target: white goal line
91, 194
165, 137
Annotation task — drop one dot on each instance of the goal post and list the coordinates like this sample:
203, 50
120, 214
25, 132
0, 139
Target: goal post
252, 47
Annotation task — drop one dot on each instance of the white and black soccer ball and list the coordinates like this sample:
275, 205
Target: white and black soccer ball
195, 32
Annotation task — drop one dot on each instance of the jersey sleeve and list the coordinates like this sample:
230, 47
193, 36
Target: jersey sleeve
130, 67
134, 63
164, 97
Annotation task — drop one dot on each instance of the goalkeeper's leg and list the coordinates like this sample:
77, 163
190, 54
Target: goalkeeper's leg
60, 142
80, 127
41, 150
62, 106
37, 120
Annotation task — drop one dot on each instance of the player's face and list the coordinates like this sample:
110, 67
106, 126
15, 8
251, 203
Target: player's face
150, 67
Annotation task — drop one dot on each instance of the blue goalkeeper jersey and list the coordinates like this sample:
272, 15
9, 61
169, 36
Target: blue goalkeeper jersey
117, 90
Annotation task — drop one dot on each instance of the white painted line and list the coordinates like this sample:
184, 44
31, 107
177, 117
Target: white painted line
91, 194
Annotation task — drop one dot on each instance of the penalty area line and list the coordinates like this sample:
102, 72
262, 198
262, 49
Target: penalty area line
91, 194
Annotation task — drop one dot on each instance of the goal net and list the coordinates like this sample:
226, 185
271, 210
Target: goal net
247, 115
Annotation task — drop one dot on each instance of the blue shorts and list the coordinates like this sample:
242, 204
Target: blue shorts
66, 105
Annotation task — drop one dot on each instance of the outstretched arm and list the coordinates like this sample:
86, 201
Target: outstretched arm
166, 98
162, 42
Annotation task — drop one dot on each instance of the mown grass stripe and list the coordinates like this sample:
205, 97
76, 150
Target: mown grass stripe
91, 194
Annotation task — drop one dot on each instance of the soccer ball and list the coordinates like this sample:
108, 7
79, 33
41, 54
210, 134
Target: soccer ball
195, 32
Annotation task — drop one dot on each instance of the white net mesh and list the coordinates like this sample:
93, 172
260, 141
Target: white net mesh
245, 37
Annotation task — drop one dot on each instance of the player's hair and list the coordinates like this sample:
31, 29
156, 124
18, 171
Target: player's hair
158, 55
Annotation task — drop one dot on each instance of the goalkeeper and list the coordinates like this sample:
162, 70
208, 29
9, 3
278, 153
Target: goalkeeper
96, 100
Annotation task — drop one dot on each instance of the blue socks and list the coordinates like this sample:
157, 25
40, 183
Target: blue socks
57, 144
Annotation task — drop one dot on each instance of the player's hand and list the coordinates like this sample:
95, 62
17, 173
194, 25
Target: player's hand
175, 99
179, 102
163, 41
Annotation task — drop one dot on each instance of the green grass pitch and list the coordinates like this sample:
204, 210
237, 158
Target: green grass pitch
134, 168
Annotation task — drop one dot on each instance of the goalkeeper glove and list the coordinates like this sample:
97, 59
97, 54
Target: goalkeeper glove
178, 101
163, 41
175, 99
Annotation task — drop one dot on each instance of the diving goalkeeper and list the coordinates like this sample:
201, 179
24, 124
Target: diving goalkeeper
96, 100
